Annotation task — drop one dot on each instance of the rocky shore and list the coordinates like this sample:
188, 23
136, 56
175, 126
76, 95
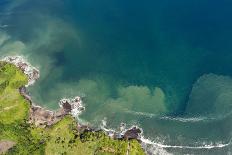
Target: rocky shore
41, 119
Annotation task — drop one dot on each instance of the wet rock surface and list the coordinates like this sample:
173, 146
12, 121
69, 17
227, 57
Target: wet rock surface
132, 133
25, 94
43, 117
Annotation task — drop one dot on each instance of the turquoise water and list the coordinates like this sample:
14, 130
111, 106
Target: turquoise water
162, 65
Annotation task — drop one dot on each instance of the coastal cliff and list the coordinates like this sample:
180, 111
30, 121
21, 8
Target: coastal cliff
29, 129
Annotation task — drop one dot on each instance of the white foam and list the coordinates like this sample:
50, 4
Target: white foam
140, 113
159, 147
183, 119
203, 146
179, 119
150, 146
76, 103
112, 132
197, 119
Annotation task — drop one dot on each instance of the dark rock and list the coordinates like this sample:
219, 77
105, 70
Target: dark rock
67, 107
84, 128
132, 133
25, 94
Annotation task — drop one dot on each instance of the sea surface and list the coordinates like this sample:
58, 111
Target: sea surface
163, 65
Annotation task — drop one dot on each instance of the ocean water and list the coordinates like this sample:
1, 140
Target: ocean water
162, 65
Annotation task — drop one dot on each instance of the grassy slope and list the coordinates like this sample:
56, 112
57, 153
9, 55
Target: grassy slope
13, 107
62, 138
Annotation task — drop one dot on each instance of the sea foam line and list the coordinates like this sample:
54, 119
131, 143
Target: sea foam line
206, 146
186, 119
180, 119
145, 114
197, 119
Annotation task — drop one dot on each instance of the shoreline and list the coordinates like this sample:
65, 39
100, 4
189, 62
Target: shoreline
42, 117
20, 62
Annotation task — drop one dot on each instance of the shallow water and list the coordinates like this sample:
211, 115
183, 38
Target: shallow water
162, 65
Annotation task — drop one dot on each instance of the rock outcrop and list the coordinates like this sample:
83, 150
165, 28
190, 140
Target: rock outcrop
42, 117
73, 106
132, 133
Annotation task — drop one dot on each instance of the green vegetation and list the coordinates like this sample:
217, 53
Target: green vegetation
66, 140
13, 107
62, 138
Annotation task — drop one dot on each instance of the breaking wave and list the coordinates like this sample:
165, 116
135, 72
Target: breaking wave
203, 146
158, 146
152, 147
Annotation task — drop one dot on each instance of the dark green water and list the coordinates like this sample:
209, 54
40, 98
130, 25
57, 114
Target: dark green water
163, 65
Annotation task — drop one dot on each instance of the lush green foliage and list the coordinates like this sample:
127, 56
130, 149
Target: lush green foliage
64, 139
61, 138
13, 107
